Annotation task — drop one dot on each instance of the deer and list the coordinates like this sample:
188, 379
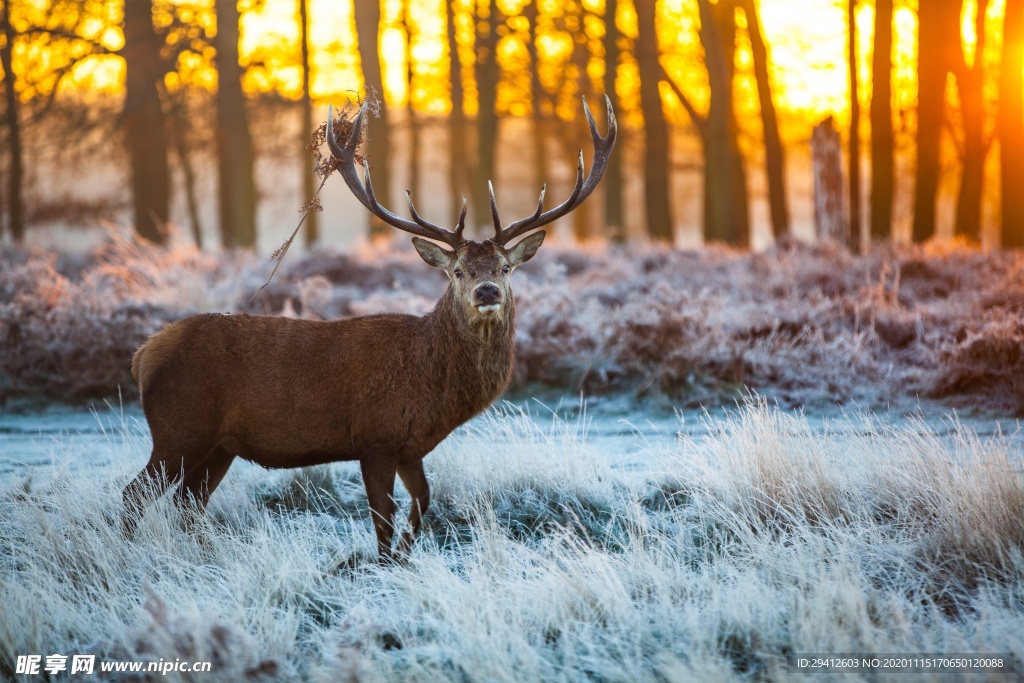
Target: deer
383, 390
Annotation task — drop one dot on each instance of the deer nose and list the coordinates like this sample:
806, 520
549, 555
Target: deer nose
488, 293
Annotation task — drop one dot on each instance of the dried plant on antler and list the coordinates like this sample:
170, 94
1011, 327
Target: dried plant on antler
324, 165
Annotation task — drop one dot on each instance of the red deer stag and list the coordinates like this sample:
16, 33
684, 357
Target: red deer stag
380, 389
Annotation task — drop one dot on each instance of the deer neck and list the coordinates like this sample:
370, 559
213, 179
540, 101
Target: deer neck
477, 357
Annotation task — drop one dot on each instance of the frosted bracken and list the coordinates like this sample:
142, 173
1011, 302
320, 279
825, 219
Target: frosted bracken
805, 325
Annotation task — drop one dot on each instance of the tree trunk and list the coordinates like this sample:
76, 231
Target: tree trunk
179, 120
312, 221
854, 149
457, 121
583, 216
972, 104
726, 208
883, 179
413, 122
15, 171
827, 157
539, 96
1010, 126
615, 223
938, 34
237, 188
487, 77
656, 152
367, 14
143, 120
774, 158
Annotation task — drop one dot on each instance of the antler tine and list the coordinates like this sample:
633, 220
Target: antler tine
540, 203
461, 225
500, 235
581, 190
494, 211
363, 190
416, 217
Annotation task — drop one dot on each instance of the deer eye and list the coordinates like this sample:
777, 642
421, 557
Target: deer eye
458, 273
505, 269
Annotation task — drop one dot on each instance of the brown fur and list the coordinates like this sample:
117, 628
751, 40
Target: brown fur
382, 389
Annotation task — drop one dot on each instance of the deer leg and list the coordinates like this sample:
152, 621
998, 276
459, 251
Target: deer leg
156, 477
200, 481
175, 453
149, 484
379, 480
415, 482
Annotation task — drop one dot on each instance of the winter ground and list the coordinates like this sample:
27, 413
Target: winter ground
556, 548
872, 502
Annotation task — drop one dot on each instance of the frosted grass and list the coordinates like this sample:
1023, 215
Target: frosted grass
541, 559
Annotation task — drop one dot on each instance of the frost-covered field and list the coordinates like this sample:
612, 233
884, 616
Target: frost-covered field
804, 325
556, 548
545, 556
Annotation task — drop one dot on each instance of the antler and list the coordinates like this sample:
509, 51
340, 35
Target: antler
363, 191
583, 189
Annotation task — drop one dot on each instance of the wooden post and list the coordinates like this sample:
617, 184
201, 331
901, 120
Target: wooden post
830, 220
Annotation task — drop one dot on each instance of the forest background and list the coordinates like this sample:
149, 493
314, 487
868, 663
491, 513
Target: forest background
170, 114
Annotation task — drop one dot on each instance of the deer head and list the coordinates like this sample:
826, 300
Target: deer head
479, 271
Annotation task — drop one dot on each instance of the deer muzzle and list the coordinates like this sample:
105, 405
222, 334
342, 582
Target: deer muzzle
487, 297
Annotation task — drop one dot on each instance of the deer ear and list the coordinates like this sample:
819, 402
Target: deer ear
433, 254
524, 251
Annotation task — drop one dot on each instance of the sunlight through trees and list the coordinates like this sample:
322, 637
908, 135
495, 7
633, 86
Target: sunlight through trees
717, 97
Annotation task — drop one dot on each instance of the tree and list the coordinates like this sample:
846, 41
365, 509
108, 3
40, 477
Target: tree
883, 177
312, 221
656, 151
42, 44
180, 124
1010, 126
413, 123
613, 216
143, 120
854, 144
774, 154
726, 208
236, 184
969, 80
487, 76
938, 35
367, 15
189, 29
15, 172
538, 97
457, 120
578, 135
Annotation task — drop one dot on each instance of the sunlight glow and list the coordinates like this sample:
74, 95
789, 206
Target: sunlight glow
806, 40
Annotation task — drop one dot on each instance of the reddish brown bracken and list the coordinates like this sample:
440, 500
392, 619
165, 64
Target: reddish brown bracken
381, 389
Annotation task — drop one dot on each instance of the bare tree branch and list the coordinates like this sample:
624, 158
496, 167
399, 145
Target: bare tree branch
699, 122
